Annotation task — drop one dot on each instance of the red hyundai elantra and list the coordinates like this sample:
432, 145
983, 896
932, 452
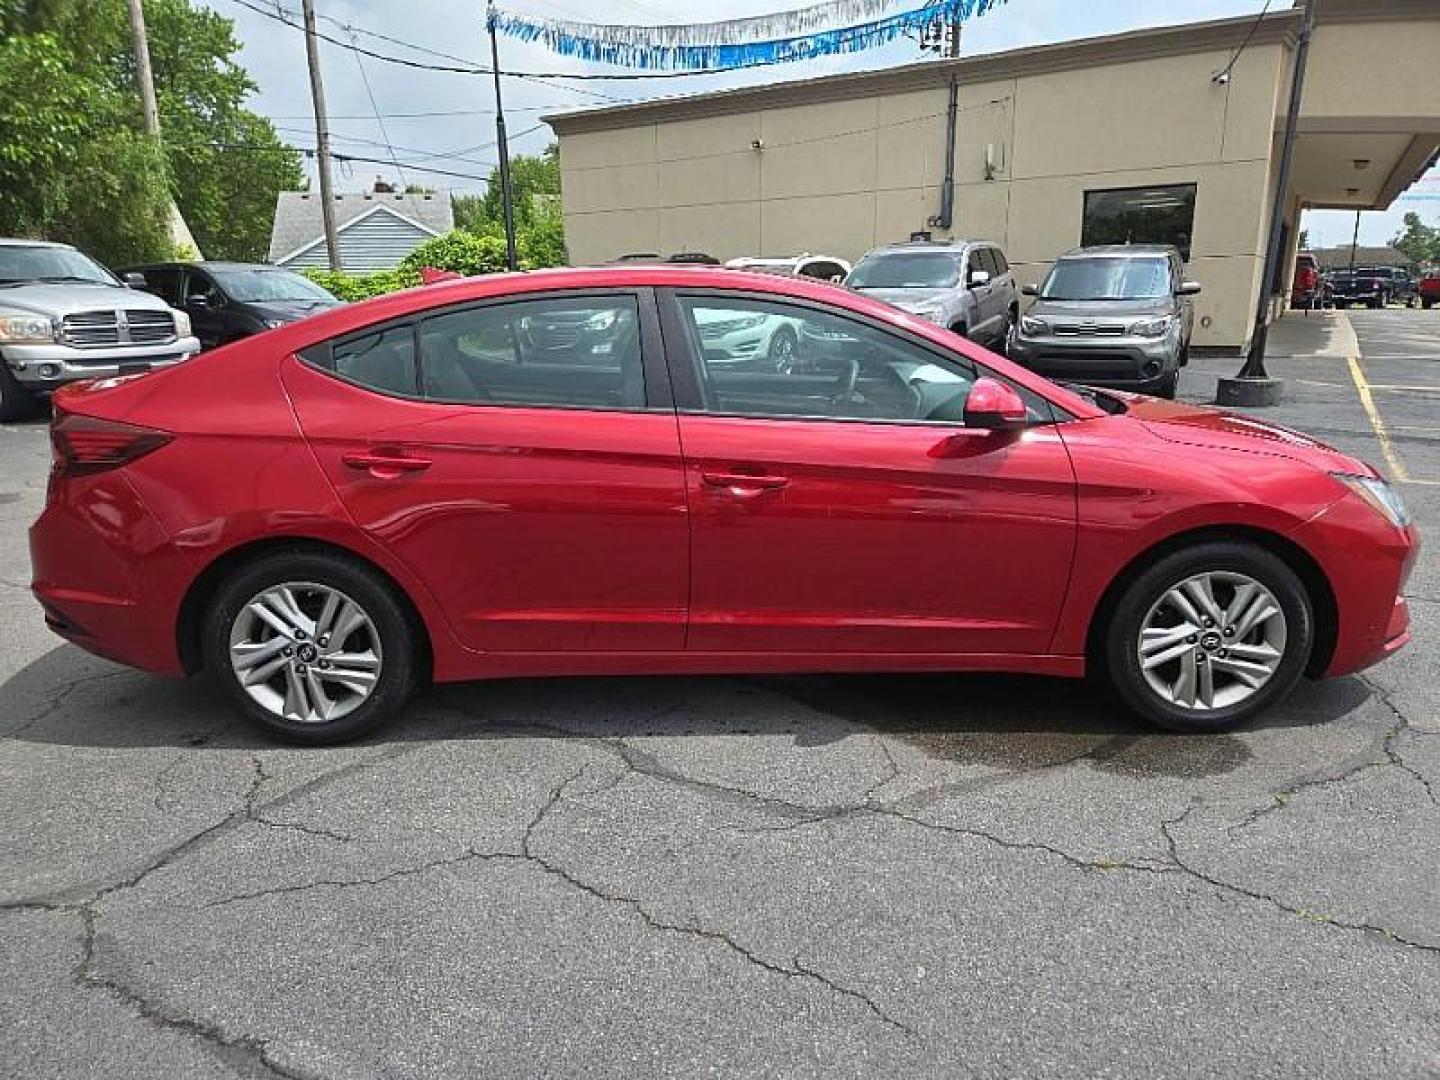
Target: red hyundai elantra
691, 470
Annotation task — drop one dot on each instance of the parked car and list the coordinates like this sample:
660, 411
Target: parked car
64, 317
965, 285
325, 516
1373, 286
821, 267
1429, 290
227, 301
1118, 316
1310, 287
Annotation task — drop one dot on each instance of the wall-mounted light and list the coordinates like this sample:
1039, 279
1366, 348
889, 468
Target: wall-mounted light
1361, 163
1221, 78
757, 145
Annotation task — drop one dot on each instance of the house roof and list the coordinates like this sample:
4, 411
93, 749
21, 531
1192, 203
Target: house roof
1338, 258
299, 219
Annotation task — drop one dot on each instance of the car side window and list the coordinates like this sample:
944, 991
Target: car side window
763, 358
164, 282
383, 360
574, 352
199, 287
1002, 266
988, 264
975, 262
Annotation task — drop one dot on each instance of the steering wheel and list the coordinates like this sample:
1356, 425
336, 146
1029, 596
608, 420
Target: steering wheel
846, 383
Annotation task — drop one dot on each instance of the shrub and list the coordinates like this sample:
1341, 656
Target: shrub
354, 287
461, 252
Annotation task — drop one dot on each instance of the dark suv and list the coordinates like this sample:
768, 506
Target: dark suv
228, 301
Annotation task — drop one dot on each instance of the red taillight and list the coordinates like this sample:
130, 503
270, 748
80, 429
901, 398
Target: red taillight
87, 444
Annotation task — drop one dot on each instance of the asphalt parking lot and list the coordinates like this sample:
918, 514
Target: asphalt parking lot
878, 876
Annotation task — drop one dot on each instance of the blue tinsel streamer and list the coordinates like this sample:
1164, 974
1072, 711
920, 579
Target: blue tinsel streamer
720, 57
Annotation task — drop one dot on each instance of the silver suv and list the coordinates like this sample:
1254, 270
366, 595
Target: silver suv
1116, 316
963, 285
65, 317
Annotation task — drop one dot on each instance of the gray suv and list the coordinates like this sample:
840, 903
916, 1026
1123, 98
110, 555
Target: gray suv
963, 285
1112, 316
65, 317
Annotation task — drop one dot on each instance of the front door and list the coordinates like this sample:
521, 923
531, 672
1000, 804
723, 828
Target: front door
205, 304
513, 455
842, 506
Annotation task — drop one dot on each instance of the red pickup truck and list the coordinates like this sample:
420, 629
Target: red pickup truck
1430, 290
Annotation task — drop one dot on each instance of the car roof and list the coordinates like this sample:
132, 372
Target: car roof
17, 241
943, 246
220, 264
1133, 251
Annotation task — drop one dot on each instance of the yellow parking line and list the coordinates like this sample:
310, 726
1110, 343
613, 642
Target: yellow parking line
1382, 433
1405, 389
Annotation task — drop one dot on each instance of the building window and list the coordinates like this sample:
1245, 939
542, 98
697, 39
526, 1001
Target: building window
1149, 215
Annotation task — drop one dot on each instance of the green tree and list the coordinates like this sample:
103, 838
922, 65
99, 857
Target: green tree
1418, 242
75, 164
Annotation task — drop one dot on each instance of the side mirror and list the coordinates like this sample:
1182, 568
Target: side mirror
1030, 290
979, 277
199, 300
1188, 288
994, 406
136, 280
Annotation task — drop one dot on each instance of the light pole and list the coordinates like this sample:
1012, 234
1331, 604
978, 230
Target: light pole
1253, 385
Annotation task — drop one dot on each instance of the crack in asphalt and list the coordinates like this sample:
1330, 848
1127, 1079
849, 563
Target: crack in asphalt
57, 698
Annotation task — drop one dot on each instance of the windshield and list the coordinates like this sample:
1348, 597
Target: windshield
906, 270
22, 264
1108, 279
258, 285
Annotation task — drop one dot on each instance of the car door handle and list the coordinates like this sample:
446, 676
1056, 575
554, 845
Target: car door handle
743, 484
385, 465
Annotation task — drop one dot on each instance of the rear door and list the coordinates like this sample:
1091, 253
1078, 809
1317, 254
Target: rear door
842, 506
522, 457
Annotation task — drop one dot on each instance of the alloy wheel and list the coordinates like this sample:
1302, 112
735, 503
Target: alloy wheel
1212, 641
306, 653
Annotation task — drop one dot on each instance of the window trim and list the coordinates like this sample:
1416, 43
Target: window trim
682, 357
659, 397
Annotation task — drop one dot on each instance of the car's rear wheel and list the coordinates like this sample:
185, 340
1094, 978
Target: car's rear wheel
315, 648
16, 403
1209, 636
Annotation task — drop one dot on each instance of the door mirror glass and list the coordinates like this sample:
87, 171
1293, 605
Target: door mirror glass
136, 280
204, 301
1188, 288
1030, 290
979, 277
994, 406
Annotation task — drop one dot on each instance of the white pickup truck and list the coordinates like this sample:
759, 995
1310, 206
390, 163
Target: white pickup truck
65, 317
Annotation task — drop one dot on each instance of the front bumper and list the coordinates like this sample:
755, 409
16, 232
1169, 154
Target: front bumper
1126, 363
43, 368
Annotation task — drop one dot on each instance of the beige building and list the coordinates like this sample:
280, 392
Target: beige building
1133, 136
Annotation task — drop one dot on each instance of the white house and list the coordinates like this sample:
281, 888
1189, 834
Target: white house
374, 230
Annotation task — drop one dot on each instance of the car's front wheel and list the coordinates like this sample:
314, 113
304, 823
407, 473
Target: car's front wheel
1209, 636
316, 648
16, 403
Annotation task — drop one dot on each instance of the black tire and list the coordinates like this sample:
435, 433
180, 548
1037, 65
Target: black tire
360, 583
1377, 304
16, 403
781, 352
962, 330
1122, 634
1169, 386
1427, 303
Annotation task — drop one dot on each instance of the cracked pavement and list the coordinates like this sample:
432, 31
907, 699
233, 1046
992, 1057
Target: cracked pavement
918, 876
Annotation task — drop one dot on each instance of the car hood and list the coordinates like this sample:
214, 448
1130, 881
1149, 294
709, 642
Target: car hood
1100, 309
1196, 425
907, 299
65, 298
288, 310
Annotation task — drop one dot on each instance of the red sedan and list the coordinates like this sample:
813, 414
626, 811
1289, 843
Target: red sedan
591, 471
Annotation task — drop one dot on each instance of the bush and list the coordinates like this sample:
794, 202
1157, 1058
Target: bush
354, 287
460, 252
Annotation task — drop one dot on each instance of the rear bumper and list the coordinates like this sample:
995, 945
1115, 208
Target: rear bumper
97, 552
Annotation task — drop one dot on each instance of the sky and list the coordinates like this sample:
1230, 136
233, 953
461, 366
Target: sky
274, 55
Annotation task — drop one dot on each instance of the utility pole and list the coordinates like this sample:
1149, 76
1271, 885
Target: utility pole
1355, 240
507, 197
322, 134
1253, 385
179, 232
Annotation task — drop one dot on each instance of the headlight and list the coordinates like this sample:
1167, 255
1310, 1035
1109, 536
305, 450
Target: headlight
749, 322
1380, 495
929, 312
1033, 327
21, 327
182, 323
1151, 327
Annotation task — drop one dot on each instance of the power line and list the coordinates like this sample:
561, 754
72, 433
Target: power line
360, 63
467, 67
1230, 67
336, 155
